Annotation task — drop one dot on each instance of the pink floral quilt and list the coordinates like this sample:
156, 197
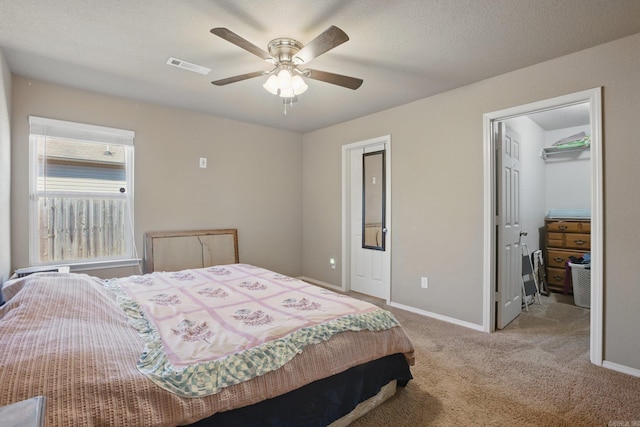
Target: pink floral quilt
206, 329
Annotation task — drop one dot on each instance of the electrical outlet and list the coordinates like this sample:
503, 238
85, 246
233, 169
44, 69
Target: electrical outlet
332, 263
424, 282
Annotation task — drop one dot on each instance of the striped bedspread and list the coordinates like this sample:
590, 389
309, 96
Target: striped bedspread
66, 337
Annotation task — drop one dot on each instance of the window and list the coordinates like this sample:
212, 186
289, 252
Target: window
81, 194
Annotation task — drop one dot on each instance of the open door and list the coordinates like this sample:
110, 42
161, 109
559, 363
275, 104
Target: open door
508, 225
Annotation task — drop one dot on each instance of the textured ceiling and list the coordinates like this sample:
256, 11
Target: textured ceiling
404, 50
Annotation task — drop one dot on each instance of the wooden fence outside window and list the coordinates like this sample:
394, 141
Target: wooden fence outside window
80, 228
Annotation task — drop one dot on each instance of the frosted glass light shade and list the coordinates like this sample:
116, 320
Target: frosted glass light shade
298, 85
271, 85
284, 79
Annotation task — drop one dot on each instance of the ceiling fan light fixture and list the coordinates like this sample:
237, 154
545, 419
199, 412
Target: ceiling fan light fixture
284, 79
286, 93
298, 85
284, 85
271, 85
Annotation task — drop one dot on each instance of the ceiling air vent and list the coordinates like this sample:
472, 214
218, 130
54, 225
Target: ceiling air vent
188, 66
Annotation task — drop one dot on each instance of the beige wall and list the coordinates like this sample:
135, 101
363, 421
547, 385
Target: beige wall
437, 206
252, 183
5, 169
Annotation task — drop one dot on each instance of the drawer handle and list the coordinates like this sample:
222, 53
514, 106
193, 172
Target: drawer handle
562, 227
579, 242
558, 277
558, 259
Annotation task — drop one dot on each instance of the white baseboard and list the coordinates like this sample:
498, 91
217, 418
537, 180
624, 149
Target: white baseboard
320, 283
621, 368
404, 307
438, 316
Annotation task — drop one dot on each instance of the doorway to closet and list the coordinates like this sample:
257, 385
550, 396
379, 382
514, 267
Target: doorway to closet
544, 183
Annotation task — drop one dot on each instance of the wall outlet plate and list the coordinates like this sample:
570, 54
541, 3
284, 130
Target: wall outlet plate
424, 282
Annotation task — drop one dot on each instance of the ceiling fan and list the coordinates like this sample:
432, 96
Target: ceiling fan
287, 55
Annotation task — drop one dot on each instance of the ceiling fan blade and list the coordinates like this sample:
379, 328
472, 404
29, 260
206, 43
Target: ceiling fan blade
238, 78
330, 38
336, 79
232, 37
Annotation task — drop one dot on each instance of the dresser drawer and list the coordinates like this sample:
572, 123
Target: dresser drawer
556, 276
558, 258
556, 240
578, 241
569, 227
556, 280
569, 240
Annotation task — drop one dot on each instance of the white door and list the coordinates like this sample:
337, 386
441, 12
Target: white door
369, 269
509, 260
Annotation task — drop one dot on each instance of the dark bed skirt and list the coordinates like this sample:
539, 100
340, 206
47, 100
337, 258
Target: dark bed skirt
321, 402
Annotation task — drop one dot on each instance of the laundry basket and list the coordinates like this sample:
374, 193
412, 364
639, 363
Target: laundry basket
581, 279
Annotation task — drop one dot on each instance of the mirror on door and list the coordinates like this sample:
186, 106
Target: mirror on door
373, 200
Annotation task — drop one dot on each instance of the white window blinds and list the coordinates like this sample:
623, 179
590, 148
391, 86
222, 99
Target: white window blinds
81, 193
79, 131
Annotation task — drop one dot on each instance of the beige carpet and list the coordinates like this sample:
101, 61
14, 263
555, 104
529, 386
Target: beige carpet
536, 372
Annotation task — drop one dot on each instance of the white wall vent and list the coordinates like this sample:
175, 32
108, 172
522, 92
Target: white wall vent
185, 65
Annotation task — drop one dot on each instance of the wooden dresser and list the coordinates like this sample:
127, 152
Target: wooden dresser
564, 238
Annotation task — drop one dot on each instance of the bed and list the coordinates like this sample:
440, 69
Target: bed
110, 352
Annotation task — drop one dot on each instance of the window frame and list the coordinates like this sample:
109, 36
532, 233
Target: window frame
86, 133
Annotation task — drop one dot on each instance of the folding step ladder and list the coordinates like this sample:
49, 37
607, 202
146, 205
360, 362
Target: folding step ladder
529, 278
540, 272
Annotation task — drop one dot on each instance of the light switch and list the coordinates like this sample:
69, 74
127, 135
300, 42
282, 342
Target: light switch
203, 162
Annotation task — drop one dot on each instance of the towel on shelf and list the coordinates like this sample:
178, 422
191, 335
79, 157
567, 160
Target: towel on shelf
571, 138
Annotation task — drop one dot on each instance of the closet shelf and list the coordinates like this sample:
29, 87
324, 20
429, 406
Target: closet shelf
550, 151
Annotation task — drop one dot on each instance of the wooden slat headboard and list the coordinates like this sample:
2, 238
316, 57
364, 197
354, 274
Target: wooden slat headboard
179, 250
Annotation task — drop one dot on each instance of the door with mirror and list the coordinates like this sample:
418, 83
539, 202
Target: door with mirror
370, 258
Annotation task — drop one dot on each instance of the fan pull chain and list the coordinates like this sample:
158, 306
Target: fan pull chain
284, 101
